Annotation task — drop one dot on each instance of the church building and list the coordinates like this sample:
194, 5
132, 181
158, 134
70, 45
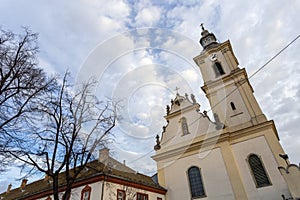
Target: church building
234, 154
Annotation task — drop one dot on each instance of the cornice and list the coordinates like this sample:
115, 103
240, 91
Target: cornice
190, 107
226, 136
231, 78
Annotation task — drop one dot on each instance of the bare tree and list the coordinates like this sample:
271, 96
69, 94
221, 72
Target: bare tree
22, 82
69, 125
49, 127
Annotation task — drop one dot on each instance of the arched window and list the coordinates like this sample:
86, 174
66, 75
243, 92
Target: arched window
258, 171
196, 184
232, 106
184, 126
218, 69
86, 193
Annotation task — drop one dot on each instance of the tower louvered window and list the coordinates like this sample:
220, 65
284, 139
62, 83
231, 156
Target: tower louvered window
218, 69
232, 106
258, 171
196, 184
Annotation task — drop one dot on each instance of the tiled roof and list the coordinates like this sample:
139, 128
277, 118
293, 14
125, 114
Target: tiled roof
93, 169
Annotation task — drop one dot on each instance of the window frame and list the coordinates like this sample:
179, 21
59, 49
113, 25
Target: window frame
143, 195
202, 183
263, 168
124, 193
87, 188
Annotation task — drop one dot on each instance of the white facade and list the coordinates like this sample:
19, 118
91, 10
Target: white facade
259, 146
215, 178
109, 190
233, 156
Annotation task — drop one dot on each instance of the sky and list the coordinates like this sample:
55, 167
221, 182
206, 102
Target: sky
140, 51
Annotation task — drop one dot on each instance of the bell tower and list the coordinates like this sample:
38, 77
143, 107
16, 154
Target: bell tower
233, 156
226, 85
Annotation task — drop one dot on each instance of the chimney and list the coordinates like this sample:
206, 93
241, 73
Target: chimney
23, 184
124, 162
103, 155
46, 178
8, 188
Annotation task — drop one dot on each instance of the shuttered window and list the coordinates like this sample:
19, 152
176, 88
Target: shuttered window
258, 171
86, 193
142, 196
196, 184
121, 195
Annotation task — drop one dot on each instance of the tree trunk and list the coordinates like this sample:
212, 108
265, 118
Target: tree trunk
55, 187
67, 194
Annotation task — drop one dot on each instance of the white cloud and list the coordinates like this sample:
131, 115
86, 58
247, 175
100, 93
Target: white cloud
190, 75
116, 9
148, 16
107, 23
146, 61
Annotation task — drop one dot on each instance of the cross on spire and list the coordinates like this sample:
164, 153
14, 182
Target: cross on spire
202, 26
177, 89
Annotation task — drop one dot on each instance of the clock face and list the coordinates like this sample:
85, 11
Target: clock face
207, 40
213, 57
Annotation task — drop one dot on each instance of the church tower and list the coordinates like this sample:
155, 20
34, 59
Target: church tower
226, 85
233, 156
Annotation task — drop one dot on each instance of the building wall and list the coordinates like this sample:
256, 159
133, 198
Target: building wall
109, 192
291, 174
260, 147
76, 192
215, 178
227, 159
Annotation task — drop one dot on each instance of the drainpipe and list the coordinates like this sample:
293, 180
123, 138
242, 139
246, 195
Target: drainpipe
102, 192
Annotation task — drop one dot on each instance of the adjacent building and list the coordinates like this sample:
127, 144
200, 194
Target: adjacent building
102, 179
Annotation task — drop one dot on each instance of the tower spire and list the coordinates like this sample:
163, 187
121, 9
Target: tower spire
207, 38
